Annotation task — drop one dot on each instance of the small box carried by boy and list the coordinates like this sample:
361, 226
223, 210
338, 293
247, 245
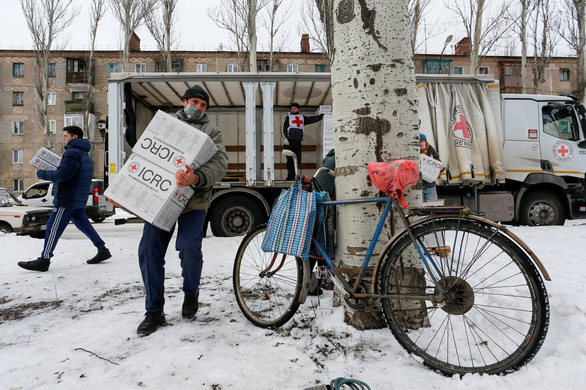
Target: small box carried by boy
46, 160
430, 168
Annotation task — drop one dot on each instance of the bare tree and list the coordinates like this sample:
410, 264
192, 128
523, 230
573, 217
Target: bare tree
521, 20
375, 106
97, 11
545, 39
46, 20
417, 10
130, 14
317, 21
484, 31
275, 16
573, 34
229, 15
161, 27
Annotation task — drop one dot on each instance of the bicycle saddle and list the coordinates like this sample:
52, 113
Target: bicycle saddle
392, 178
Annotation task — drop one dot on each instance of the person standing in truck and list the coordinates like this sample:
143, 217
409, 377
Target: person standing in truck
292, 134
429, 190
154, 242
72, 179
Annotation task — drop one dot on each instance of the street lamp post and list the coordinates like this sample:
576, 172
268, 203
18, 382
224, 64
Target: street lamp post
448, 40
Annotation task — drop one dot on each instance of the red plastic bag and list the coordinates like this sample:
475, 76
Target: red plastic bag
392, 178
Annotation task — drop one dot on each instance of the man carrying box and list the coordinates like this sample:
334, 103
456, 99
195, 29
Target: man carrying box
154, 241
74, 178
429, 190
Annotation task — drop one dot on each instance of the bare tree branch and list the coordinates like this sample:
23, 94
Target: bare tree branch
161, 26
130, 14
46, 20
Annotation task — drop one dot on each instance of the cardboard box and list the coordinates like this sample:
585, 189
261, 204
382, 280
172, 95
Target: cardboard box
46, 160
430, 168
149, 191
171, 143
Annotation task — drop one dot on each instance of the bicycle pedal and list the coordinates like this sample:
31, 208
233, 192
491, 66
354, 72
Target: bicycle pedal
321, 272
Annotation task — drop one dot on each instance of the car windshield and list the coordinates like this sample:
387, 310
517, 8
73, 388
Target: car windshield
7, 199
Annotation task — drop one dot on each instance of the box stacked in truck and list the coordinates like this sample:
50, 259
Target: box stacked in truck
146, 184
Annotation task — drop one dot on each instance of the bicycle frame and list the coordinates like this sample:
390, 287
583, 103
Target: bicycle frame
341, 283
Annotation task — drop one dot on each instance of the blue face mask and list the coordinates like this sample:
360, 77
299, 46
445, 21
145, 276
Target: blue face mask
193, 113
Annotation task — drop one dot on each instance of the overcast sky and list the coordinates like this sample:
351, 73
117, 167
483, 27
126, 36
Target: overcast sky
198, 32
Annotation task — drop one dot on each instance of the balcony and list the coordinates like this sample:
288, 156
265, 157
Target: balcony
77, 77
76, 106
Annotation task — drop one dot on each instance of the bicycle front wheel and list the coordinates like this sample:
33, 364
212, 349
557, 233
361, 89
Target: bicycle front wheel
267, 285
479, 306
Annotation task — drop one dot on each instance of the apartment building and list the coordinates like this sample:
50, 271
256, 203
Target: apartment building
21, 133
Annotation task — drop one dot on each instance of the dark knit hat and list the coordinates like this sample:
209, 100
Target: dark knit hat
196, 92
295, 105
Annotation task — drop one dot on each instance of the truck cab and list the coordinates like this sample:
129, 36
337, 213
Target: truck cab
545, 151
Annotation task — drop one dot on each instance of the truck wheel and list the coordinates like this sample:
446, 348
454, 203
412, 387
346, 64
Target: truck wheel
542, 208
235, 216
98, 219
5, 228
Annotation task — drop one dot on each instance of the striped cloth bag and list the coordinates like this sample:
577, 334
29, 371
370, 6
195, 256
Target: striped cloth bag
291, 223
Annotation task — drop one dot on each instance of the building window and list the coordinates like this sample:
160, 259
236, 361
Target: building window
140, 68
483, 70
76, 65
176, 65
113, 67
232, 68
77, 95
18, 69
52, 98
74, 120
201, 67
17, 156
18, 127
458, 70
17, 185
52, 69
564, 74
320, 68
17, 98
432, 66
262, 66
53, 126
292, 68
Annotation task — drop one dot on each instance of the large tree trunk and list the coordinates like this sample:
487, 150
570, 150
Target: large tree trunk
375, 107
252, 10
524, 17
474, 53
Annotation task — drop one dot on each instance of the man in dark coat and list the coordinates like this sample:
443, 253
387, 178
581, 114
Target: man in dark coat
292, 134
73, 179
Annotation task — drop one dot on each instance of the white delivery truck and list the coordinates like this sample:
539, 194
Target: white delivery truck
516, 158
527, 168
249, 109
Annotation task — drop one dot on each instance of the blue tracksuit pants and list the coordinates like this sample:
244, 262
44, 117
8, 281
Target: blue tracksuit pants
151, 257
60, 217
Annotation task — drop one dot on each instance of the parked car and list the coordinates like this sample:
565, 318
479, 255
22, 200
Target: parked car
24, 220
97, 208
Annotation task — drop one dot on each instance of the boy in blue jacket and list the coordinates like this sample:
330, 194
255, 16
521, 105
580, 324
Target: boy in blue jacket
73, 179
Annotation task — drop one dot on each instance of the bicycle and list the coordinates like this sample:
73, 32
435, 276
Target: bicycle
462, 293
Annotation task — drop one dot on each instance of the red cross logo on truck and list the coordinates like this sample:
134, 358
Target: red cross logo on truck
297, 122
462, 127
563, 150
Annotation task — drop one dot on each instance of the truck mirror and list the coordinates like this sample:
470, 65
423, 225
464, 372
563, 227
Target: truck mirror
582, 144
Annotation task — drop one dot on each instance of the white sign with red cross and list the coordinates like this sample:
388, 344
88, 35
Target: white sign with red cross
563, 151
461, 130
296, 121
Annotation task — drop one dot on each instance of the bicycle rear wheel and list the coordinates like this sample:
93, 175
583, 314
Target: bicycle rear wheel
495, 314
267, 285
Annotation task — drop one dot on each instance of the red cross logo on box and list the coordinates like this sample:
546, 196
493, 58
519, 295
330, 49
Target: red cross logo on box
133, 168
179, 161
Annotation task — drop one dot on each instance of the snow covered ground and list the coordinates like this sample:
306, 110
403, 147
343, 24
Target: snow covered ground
75, 326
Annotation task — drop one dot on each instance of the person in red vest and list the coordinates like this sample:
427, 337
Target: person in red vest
292, 134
